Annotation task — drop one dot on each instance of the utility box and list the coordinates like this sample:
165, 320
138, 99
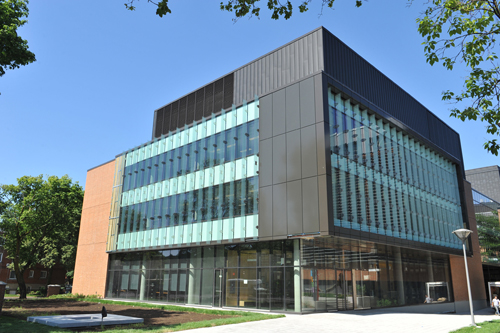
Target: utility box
53, 289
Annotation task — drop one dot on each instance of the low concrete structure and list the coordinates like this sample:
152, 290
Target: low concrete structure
85, 320
2, 294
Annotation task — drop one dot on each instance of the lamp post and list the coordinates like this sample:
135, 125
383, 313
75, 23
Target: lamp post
463, 234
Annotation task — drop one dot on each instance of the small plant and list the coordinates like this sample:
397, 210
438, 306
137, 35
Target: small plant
384, 302
15, 308
41, 292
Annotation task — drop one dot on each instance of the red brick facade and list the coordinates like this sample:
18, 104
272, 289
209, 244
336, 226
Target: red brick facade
91, 257
474, 264
34, 277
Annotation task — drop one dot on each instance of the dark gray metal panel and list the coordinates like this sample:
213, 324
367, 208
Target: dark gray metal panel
330, 201
486, 180
279, 123
323, 202
292, 107
182, 111
323, 151
293, 156
266, 211
399, 124
279, 159
294, 207
158, 123
266, 117
347, 67
307, 108
266, 162
321, 97
291, 62
310, 205
443, 136
308, 150
279, 210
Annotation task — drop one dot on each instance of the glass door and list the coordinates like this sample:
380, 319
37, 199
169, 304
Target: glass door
309, 289
218, 288
330, 289
343, 289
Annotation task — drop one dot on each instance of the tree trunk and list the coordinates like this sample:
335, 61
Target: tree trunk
49, 275
21, 283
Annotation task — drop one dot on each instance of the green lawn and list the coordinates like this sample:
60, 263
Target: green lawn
12, 325
486, 327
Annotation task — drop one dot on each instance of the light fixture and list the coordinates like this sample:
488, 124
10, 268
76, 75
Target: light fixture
463, 234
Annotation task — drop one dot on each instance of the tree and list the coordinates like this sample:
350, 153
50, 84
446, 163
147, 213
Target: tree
471, 29
488, 229
243, 8
39, 220
13, 49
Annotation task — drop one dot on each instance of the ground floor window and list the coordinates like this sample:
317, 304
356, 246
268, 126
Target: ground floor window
300, 275
345, 274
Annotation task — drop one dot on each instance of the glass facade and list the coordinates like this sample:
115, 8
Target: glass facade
196, 185
293, 275
385, 182
484, 205
248, 275
200, 186
487, 217
345, 274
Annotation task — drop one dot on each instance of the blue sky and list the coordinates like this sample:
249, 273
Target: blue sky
101, 71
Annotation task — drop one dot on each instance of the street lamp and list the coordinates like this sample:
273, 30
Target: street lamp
463, 234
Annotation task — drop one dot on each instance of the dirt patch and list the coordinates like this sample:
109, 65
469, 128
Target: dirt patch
152, 317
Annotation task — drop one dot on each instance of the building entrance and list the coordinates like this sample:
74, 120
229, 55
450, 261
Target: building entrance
218, 288
331, 289
343, 289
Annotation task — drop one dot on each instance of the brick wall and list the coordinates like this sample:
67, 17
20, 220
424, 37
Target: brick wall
38, 279
474, 264
91, 257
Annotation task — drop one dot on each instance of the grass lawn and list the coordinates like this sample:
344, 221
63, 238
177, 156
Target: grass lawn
486, 327
14, 325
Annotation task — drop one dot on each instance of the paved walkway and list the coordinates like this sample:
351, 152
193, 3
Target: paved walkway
368, 321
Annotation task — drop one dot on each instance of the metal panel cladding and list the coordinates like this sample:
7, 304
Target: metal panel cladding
193, 107
292, 62
351, 70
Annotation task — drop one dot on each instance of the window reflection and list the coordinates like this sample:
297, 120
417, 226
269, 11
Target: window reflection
329, 274
388, 183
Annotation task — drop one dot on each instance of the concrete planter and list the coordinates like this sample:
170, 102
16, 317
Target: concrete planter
2, 294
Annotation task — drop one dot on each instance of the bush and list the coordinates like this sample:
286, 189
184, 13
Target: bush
41, 292
73, 296
384, 302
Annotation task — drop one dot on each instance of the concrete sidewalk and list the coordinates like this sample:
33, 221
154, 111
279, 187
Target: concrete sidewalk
372, 321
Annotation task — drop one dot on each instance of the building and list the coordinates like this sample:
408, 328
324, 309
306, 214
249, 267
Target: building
303, 181
35, 277
487, 213
485, 180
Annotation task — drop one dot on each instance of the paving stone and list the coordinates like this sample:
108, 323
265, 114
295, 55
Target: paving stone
373, 321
